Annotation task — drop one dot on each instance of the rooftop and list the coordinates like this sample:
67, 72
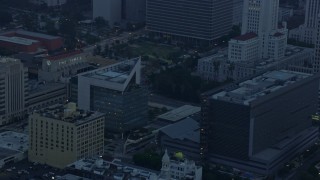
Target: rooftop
34, 34
180, 113
116, 73
18, 40
71, 177
259, 86
64, 55
13, 141
187, 129
246, 36
36, 87
69, 113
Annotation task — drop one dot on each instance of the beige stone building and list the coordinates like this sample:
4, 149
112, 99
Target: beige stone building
62, 134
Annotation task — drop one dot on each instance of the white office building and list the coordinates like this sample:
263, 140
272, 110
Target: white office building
259, 17
13, 90
244, 48
179, 169
307, 32
110, 10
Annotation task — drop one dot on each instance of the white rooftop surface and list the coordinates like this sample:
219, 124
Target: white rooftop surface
262, 85
180, 113
18, 40
117, 73
14, 141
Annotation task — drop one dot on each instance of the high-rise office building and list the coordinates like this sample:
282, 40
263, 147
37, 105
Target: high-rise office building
116, 91
316, 60
134, 11
188, 19
110, 10
307, 32
237, 12
62, 134
261, 123
261, 18
13, 90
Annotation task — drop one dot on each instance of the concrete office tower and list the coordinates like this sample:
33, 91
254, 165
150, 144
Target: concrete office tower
115, 90
316, 60
60, 135
110, 10
261, 18
13, 90
134, 11
307, 32
189, 19
237, 12
261, 123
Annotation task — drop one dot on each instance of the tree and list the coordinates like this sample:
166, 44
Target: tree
5, 18
50, 27
100, 22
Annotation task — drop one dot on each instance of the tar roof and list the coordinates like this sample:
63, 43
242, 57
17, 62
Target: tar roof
180, 113
14, 141
187, 129
262, 85
64, 55
246, 36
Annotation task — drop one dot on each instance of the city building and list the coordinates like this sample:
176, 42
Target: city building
99, 168
13, 147
307, 32
237, 12
116, 91
259, 124
134, 11
18, 44
179, 168
62, 134
42, 95
261, 18
61, 66
218, 67
189, 20
30, 40
244, 48
181, 137
285, 13
180, 113
49, 3
13, 91
110, 10
316, 60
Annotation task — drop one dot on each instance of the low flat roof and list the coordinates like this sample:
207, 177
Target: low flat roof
5, 153
34, 34
18, 40
259, 86
187, 129
246, 36
180, 113
14, 141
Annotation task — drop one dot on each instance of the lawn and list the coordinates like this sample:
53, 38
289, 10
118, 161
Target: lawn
154, 50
